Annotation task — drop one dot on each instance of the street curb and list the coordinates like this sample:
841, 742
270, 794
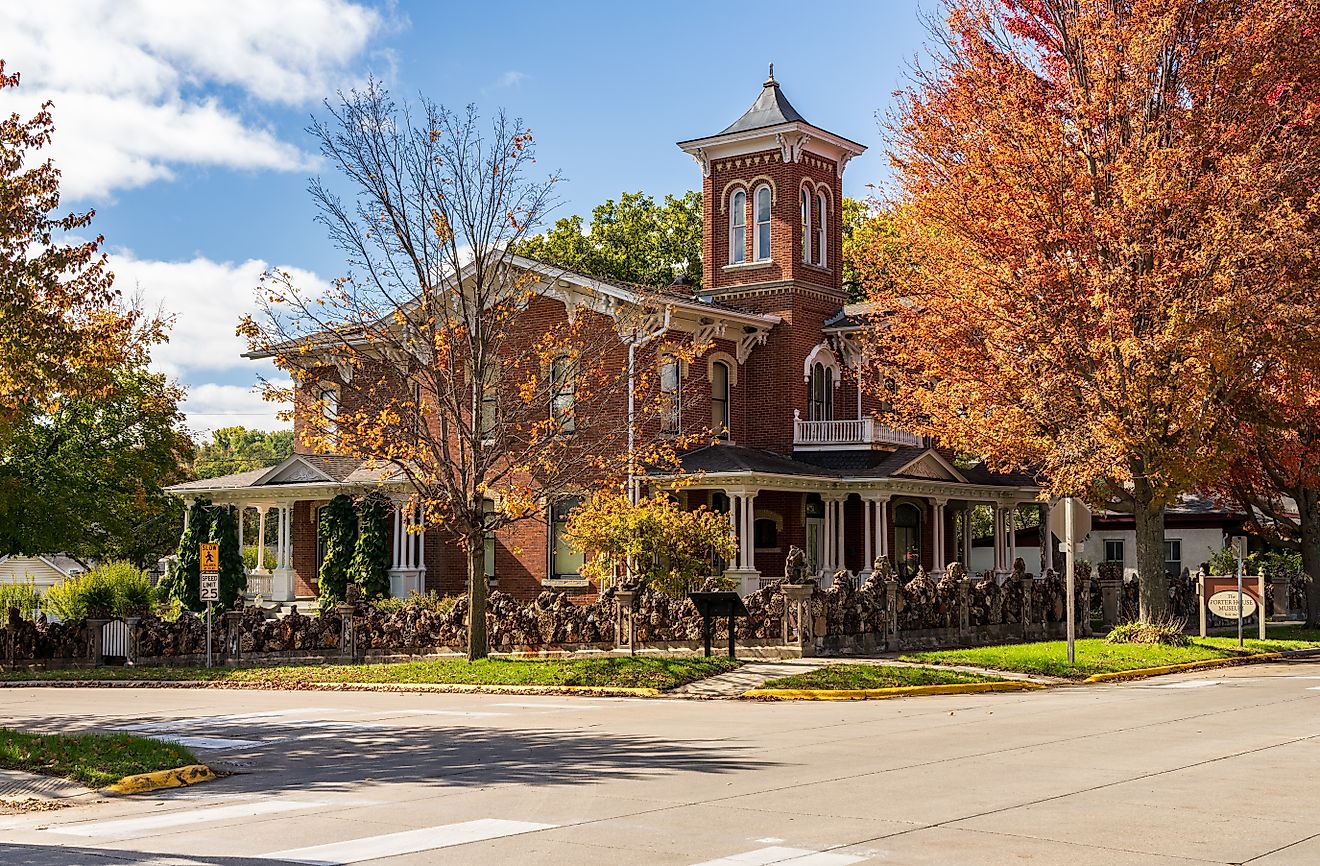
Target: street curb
445, 688
1140, 673
895, 692
142, 783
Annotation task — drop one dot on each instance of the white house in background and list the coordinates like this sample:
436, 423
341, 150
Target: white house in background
44, 571
1194, 531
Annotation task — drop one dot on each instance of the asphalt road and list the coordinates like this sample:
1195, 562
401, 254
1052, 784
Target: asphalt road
1219, 767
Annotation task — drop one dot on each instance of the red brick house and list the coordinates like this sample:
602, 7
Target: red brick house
803, 459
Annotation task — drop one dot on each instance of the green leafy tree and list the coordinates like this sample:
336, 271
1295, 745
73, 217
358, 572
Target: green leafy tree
370, 566
86, 474
632, 239
871, 245
661, 544
233, 578
238, 449
181, 581
337, 530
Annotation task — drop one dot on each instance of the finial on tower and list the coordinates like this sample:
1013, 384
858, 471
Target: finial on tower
770, 82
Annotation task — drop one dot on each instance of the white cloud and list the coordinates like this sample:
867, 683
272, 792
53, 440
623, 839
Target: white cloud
207, 298
141, 86
209, 406
511, 78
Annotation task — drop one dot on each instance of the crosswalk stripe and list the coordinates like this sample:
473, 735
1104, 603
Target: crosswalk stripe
215, 744
128, 826
407, 842
779, 854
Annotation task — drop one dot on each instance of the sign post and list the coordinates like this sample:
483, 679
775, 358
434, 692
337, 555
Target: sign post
1240, 548
1076, 522
209, 590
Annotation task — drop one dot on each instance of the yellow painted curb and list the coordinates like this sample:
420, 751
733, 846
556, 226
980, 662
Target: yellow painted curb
141, 783
895, 692
1185, 666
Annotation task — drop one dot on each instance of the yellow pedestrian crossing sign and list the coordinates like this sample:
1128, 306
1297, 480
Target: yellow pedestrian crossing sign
210, 557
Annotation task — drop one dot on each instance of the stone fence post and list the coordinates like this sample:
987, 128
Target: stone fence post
891, 614
1279, 584
95, 637
132, 649
1025, 582
624, 632
233, 647
347, 630
1111, 594
965, 605
798, 624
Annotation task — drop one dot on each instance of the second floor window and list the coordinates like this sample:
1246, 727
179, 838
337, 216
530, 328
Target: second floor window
821, 221
489, 412
719, 399
806, 226
672, 395
328, 397
737, 227
762, 223
563, 393
820, 393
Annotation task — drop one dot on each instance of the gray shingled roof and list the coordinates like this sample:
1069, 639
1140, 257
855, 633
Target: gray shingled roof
338, 468
739, 458
771, 108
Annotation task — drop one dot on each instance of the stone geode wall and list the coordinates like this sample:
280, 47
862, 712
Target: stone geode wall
882, 613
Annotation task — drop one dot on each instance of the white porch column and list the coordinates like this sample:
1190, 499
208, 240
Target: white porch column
840, 540
1012, 536
242, 513
868, 533
967, 535
733, 524
396, 558
749, 531
261, 536
882, 525
187, 511
281, 584
938, 554
999, 537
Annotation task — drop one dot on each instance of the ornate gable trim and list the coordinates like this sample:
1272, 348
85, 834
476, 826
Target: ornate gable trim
294, 470
932, 467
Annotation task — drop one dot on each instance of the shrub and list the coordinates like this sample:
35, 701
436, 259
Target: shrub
1225, 562
233, 577
21, 595
371, 554
1166, 632
182, 581
431, 601
337, 530
112, 589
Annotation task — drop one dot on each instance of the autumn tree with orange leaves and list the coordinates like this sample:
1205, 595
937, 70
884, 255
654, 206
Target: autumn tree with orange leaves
463, 368
1110, 209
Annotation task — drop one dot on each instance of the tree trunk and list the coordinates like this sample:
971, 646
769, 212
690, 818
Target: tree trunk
1152, 579
476, 597
1308, 514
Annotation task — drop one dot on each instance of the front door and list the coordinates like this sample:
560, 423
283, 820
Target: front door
815, 532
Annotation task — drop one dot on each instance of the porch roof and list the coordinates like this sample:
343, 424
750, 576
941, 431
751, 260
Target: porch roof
296, 471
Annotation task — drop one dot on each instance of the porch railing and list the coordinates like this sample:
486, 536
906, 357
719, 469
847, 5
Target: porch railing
849, 432
259, 584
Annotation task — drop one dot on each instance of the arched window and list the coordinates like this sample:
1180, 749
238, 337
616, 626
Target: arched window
563, 393
737, 227
806, 226
671, 390
907, 538
820, 393
821, 221
762, 223
719, 399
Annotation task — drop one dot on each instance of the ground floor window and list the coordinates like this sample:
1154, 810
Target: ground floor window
1173, 555
907, 539
488, 544
1114, 551
766, 533
564, 559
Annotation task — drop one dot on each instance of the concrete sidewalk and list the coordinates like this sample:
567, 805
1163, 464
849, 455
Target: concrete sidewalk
750, 676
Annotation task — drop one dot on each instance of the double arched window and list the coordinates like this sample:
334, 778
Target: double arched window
719, 399
737, 227
820, 393
806, 226
763, 197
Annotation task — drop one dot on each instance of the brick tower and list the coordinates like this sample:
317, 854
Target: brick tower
772, 201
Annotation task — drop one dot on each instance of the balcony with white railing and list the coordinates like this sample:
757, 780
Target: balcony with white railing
844, 434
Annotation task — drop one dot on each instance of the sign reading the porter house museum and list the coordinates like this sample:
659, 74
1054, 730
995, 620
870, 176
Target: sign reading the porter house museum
1225, 603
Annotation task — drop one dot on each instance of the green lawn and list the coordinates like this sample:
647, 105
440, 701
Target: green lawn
94, 760
1095, 656
626, 672
874, 677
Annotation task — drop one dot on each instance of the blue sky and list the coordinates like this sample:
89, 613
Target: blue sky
183, 124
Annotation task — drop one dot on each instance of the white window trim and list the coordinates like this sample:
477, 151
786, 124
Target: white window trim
822, 232
758, 254
734, 213
804, 201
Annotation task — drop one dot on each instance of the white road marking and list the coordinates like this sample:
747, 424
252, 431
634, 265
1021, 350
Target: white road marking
476, 714
530, 705
407, 842
1313, 689
124, 827
777, 854
215, 744
1189, 684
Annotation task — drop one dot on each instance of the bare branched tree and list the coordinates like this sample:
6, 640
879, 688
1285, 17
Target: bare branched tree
482, 378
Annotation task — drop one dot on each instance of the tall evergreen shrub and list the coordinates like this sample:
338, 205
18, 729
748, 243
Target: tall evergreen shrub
181, 582
371, 554
233, 577
338, 532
